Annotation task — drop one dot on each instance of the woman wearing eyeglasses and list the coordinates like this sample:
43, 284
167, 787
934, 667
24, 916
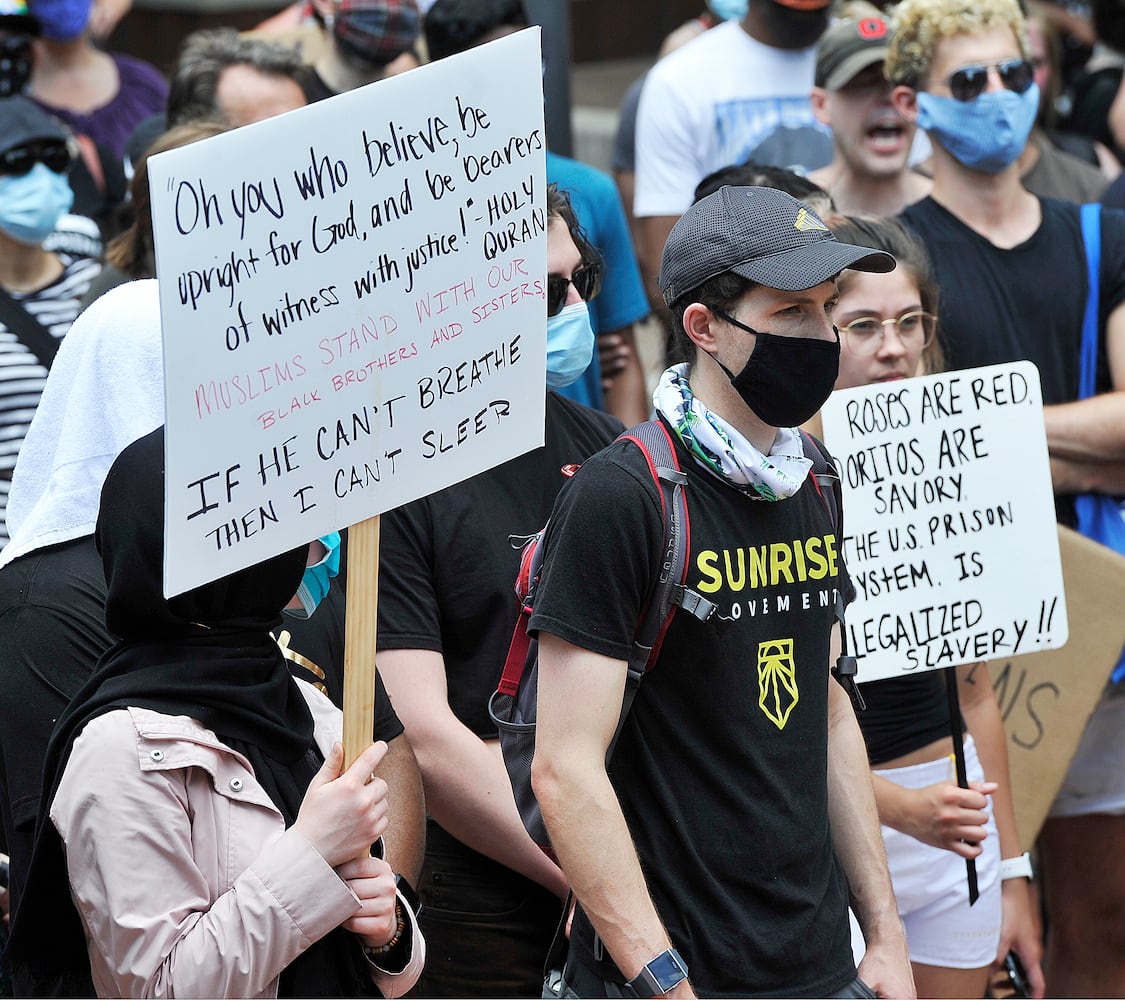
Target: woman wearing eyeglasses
887, 326
40, 291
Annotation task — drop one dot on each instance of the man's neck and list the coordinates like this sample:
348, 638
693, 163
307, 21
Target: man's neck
710, 385
995, 205
765, 22
857, 192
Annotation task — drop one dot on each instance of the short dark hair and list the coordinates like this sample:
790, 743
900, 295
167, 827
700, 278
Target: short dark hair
453, 26
751, 174
721, 292
194, 84
559, 207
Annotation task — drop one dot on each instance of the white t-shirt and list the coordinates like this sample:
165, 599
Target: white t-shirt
722, 99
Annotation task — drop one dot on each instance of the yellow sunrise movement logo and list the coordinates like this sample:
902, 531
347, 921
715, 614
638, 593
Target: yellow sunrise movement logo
806, 221
777, 680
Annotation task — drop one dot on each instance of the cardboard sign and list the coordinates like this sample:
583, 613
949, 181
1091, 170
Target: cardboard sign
352, 298
1046, 698
949, 519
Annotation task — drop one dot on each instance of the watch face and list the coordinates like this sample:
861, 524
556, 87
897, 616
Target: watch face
665, 971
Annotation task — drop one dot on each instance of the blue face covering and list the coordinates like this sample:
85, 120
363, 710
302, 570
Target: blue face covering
728, 10
31, 205
987, 133
318, 578
570, 345
61, 20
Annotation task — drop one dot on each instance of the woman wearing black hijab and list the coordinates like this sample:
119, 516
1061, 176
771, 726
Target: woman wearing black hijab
193, 788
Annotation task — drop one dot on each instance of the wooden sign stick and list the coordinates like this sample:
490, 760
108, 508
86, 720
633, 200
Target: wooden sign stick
362, 613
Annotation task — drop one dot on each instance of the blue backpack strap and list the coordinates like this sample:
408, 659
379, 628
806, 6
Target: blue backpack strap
1091, 236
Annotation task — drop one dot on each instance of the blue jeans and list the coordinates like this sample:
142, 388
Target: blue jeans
487, 928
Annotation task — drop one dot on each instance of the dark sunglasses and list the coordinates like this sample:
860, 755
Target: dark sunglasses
968, 83
585, 280
52, 154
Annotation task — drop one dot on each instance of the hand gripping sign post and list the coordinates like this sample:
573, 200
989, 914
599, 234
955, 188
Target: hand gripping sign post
352, 302
951, 536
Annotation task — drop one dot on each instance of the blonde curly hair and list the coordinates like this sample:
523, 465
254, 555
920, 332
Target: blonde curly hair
919, 26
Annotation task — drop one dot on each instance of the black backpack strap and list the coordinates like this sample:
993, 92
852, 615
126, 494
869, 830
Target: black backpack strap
827, 482
28, 330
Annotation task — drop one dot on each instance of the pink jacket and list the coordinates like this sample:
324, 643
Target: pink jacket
186, 879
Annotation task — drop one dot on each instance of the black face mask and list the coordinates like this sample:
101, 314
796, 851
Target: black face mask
785, 379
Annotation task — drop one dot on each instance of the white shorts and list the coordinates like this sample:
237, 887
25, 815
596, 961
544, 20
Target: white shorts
1095, 780
931, 884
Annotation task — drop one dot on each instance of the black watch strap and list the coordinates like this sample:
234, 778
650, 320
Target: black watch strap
660, 975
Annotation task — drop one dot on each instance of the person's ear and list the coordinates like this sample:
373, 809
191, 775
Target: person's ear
699, 323
818, 100
905, 101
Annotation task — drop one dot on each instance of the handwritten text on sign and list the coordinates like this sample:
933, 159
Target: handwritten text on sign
949, 519
352, 298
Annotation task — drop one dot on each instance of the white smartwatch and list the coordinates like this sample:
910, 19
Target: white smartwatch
1016, 868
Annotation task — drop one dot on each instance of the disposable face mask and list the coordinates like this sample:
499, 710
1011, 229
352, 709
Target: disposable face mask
31, 205
728, 10
986, 134
318, 578
570, 345
786, 379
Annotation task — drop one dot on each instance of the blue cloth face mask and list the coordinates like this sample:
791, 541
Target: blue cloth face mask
318, 578
987, 133
570, 345
61, 20
31, 205
728, 10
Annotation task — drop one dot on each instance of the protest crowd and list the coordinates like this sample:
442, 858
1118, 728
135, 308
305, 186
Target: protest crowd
806, 198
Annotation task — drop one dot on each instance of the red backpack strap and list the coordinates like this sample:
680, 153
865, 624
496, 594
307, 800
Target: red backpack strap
669, 590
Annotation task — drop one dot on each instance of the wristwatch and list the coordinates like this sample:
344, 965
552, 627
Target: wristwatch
1017, 868
659, 976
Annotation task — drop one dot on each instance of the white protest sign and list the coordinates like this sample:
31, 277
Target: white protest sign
352, 298
949, 519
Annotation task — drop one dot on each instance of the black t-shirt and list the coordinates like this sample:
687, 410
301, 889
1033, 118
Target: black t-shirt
448, 562
1026, 302
721, 767
903, 714
1023, 303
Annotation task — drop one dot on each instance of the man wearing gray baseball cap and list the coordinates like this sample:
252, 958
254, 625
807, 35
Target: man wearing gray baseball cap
716, 854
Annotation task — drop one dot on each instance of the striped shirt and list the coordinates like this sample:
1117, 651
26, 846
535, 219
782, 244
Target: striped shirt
22, 377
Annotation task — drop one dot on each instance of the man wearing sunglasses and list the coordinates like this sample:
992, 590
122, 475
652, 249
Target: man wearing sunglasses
40, 290
1012, 270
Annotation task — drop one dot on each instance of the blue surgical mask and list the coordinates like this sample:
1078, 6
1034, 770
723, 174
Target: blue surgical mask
728, 10
61, 20
570, 345
318, 577
987, 133
31, 205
